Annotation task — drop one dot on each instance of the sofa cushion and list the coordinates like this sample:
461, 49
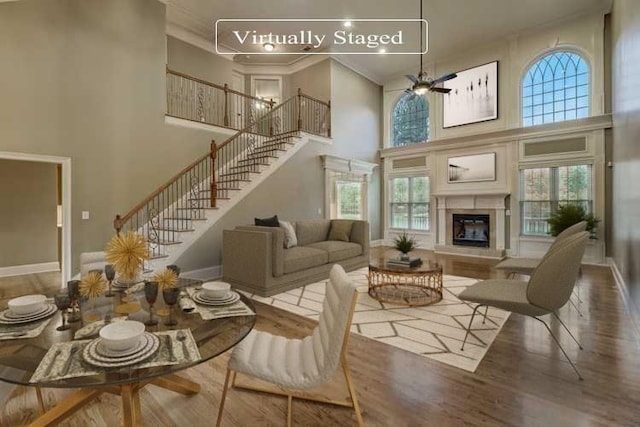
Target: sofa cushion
340, 230
338, 250
267, 222
290, 239
312, 231
301, 258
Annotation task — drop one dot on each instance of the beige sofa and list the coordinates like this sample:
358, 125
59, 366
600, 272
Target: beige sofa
254, 258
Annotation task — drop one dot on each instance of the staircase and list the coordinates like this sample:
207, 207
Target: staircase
184, 208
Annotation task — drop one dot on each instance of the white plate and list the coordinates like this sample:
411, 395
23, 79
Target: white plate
9, 314
103, 350
228, 296
90, 355
200, 300
51, 309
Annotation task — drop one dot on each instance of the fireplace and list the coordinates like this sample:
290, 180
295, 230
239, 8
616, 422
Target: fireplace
471, 230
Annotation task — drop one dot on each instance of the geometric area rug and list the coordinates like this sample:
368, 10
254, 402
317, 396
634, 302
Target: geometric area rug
433, 331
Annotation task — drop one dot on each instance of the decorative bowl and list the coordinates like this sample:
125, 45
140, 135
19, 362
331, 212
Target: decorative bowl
215, 289
26, 304
123, 335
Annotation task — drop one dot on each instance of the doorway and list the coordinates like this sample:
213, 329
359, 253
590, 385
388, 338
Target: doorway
61, 206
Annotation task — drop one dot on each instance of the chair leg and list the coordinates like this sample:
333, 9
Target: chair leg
568, 331
573, 304
289, 403
352, 392
560, 346
486, 310
475, 310
224, 396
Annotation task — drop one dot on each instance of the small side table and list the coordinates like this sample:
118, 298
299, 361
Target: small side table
409, 286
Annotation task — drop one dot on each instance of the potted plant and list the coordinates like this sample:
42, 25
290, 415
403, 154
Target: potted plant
404, 244
570, 214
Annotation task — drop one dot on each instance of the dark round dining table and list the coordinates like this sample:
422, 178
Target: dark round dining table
20, 357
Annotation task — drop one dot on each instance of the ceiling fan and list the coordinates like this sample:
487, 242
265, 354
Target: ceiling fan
423, 83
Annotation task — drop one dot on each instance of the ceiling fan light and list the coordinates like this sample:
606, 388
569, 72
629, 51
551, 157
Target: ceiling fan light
268, 47
422, 90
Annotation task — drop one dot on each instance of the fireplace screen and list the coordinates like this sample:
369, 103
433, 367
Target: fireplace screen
471, 230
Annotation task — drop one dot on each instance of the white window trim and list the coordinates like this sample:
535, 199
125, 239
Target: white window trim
422, 173
359, 168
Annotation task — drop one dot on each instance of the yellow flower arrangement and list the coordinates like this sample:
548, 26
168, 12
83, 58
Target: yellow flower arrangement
127, 252
92, 285
166, 279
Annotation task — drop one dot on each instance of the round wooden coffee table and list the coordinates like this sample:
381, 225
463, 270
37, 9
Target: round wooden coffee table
410, 286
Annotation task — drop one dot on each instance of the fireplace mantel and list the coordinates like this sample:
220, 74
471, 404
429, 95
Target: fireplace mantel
492, 203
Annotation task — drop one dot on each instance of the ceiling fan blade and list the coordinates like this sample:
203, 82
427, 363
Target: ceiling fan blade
445, 78
412, 78
439, 89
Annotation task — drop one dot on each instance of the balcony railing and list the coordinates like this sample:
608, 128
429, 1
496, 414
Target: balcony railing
195, 99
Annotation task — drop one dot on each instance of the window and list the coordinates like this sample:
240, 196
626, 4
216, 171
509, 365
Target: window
544, 189
410, 120
349, 199
555, 89
410, 203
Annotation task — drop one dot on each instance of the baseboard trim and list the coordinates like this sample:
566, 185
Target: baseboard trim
208, 273
18, 270
633, 313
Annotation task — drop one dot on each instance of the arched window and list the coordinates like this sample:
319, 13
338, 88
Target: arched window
555, 88
410, 120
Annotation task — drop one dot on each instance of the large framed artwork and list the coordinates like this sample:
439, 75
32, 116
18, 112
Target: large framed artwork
472, 168
473, 97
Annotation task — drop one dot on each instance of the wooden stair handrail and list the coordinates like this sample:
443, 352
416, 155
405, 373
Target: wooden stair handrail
119, 221
328, 104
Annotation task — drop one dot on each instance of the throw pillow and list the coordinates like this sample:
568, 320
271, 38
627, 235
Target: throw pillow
340, 230
267, 222
290, 238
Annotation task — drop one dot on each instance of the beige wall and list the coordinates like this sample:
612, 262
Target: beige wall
296, 190
626, 147
197, 62
314, 81
85, 79
28, 229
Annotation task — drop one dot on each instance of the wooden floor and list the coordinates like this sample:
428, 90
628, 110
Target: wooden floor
522, 381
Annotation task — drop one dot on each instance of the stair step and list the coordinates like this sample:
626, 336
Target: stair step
253, 161
237, 173
158, 256
176, 229
167, 242
217, 198
251, 165
224, 181
261, 156
178, 218
195, 209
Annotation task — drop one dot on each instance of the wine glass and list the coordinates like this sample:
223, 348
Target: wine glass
170, 296
73, 288
110, 274
63, 302
151, 294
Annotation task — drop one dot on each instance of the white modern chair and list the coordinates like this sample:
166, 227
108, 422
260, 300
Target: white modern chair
548, 289
295, 365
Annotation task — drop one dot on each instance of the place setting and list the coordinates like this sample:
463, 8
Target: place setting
26, 317
122, 344
214, 300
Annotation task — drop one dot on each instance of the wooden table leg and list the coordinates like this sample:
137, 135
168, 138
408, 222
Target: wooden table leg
131, 416
41, 405
178, 384
67, 407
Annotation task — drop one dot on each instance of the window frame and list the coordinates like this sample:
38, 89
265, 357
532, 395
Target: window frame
588, 61
554, 190
338, 178
392, 127
389, 203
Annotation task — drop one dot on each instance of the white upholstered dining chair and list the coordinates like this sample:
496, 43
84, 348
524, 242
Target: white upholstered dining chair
295, 365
